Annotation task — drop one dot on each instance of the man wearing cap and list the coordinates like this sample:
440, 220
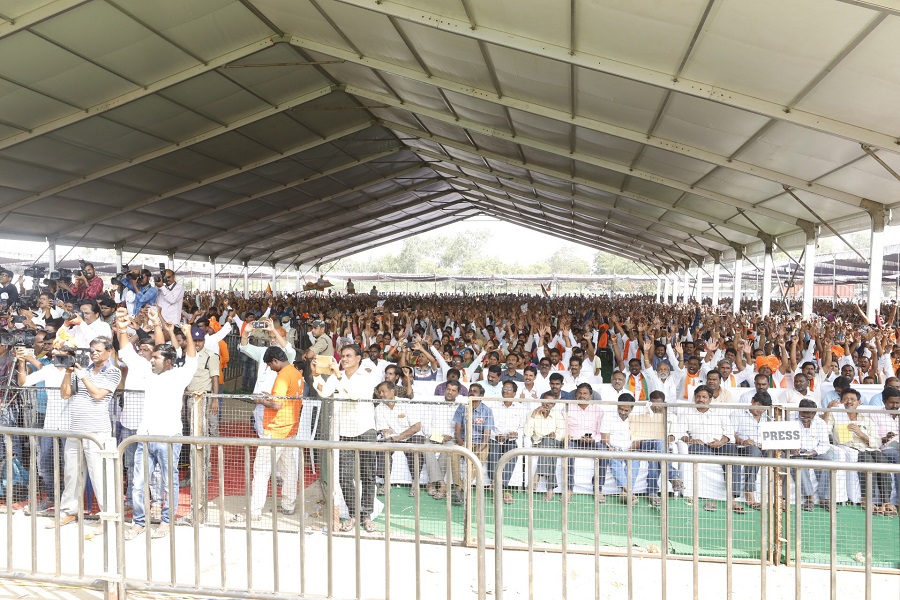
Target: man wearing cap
322, 344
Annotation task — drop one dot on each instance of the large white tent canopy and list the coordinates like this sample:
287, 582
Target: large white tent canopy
676, 134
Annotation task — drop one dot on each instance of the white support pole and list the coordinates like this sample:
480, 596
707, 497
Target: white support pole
299, 286
51, 255
274, 278
809, 271
876, 262
246, 280
170, 261
686, 286
738, 271
767, 279
699, 288
658, 288
212, 273
717, 268
118, 259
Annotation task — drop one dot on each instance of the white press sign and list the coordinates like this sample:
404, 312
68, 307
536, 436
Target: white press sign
780, 435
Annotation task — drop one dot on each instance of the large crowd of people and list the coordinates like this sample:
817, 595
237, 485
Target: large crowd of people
489, 372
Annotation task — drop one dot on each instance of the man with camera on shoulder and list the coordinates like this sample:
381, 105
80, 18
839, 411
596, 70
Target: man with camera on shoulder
87, 285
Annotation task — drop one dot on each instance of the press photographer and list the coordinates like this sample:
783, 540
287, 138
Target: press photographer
87, 285
139, 284
171, 295
87, 324
38, 370
89, 400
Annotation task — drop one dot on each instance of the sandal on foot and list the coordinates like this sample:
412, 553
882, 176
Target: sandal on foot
348, 525
368, 525
161, 531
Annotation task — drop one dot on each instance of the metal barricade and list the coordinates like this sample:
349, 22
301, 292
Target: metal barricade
43, 550
226, 550
649, 586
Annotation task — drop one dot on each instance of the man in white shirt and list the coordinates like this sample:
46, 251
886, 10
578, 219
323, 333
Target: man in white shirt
170, 297
814, 445
88, 325
616, 432
707, 430
747, 439
394, 424
441, 430
509, 422
161, 417
355, 422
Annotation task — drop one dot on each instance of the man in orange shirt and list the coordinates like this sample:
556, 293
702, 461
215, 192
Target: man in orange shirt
281, 419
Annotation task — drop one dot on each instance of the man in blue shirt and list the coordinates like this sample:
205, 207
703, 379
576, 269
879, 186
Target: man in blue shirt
145, 293
482, 425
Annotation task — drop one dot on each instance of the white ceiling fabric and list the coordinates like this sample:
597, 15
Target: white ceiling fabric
302, 131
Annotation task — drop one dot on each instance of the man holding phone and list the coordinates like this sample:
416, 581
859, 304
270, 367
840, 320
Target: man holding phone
265, 377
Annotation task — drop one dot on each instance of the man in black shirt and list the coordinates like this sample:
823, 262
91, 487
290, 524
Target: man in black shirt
9, 295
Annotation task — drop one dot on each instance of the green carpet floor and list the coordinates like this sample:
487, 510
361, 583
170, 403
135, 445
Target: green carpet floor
646, 531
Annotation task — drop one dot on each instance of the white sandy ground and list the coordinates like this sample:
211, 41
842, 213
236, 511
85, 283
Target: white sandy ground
547, 573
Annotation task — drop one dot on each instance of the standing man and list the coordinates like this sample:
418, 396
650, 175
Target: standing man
89, 413
9, 294
355, 423
161, 417
87, 285
322, 344
281, 419
145, 294
170, 297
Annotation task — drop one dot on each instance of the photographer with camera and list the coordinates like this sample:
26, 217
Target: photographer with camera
37, 369
139, 283
170, 295
87, 285
89, 413
87, 325
9, 293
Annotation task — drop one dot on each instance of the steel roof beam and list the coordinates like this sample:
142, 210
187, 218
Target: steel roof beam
38, 15
578, 156
387, 211
165, 82
487, 204
586, 200
284, 187
207, 135
570, 235
561, 207
603, 233
266, 218
349, 250
640, 137
223, 175
632, 72
579, 181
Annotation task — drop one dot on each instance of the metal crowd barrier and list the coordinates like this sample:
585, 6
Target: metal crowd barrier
769, 469
289, 547
225, 557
